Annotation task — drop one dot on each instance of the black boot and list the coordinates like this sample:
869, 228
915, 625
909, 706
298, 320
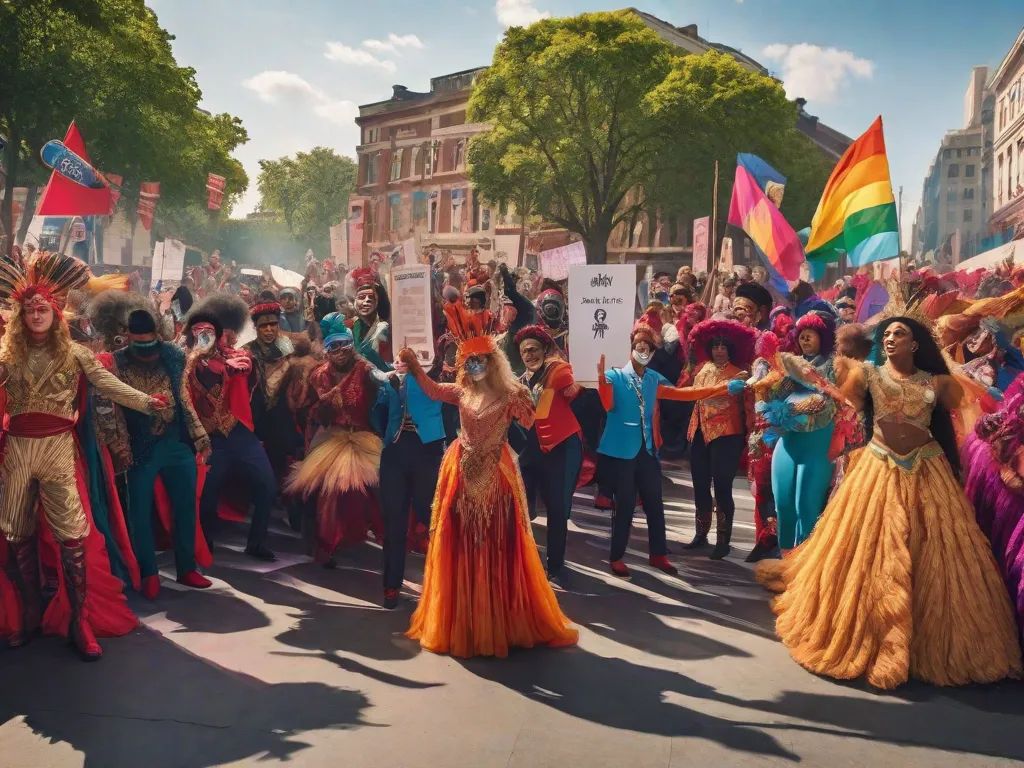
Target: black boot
22, 570
72, 557
701, 538
722, 547
759, 552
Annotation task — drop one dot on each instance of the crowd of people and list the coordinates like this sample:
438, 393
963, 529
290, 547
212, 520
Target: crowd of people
882, 448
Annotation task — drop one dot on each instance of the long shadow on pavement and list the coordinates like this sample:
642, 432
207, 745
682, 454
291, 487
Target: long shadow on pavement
150, 703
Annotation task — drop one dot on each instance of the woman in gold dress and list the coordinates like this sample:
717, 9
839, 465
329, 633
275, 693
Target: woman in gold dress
484, 589
897, 580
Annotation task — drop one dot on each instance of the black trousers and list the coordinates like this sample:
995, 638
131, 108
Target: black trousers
408, 476
625, 477
553, 477
715, 463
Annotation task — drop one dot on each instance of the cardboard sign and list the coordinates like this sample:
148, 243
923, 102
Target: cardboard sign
339, 244
601, 299
410, 310
555, 263
168, 262
701, 230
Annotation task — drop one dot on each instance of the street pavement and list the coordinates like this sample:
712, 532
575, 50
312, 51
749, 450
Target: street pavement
291, 663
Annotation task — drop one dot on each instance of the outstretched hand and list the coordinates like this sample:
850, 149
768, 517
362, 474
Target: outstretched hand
408, 357
600, 368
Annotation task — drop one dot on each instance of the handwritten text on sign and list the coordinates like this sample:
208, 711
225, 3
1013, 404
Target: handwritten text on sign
555, 263
601, 299
410, 310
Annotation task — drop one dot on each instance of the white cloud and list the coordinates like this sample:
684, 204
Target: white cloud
347, 55
393, 43
275, 86
816, 73
518, 13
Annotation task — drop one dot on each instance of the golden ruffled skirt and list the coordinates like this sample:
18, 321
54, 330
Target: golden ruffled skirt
896, 581
484, 587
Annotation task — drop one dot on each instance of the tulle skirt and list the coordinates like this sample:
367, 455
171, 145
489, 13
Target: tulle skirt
896, 581
484, 588
999, 510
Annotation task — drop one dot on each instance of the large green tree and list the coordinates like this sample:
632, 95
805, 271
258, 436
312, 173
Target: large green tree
308, 193
108, 65
604, 107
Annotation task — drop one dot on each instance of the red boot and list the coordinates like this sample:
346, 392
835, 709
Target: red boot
662, 564
195, 579
22, 570
151, 587
619, 569
72, 556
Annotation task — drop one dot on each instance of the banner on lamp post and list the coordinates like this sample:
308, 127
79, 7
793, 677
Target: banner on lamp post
149, 194
215, 187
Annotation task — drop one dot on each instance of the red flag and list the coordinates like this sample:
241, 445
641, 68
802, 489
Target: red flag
215, 186
116, 182
149, 193
63, 197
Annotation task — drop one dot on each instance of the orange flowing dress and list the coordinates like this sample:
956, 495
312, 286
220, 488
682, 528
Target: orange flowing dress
484, 588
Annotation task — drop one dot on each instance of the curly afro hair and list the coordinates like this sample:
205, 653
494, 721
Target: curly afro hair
108, 313
231, 312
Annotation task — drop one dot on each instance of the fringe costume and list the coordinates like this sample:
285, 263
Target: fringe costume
897, 580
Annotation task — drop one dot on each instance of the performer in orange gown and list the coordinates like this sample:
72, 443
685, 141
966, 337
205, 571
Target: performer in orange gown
485, 589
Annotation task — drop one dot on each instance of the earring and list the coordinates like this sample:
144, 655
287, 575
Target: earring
915, 347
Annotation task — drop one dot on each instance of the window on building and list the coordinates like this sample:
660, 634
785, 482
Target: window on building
954, 171
419, 206
458, 210
968, 193
396, 165
371, 167
951, 195
485, 220
435, 162
969, 171
428, 162
1009, 174
947, 153
371, 135
460, 154
951, 215
433, 212
414, 159
968, 214
959, 153
395, 202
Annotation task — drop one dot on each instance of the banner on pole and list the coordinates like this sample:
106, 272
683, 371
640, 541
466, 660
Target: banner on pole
215, 187
601, 299
149, 193
411, 324
555, 263
701, 229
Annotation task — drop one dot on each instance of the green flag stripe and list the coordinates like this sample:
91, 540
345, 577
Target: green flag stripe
857, 228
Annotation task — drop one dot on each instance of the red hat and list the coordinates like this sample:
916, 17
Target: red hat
741, 339
364, 277
538, 332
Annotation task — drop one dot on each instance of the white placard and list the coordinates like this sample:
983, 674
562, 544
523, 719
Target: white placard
410, 311
555, 263
285, 277
168, 262
601, 299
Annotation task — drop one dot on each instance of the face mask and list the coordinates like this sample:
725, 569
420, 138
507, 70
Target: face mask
641, 358
145, 347
205, 342
476, 369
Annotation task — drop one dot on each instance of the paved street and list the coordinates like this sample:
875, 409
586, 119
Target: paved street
296, 664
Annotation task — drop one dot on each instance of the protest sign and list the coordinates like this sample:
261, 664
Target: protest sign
601, 299
410, 310
555, 263
168, 262
701, 228
339, 244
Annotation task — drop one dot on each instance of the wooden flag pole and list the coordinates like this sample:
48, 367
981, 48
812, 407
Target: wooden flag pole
716, 258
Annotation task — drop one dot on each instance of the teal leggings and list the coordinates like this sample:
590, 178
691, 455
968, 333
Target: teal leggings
801, 476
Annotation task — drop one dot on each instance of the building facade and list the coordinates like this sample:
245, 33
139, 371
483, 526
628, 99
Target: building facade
1007, 87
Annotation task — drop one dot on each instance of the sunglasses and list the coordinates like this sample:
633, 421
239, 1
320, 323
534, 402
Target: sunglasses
338, 346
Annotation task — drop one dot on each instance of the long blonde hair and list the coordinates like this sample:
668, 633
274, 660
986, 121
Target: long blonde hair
14, 346
499, 376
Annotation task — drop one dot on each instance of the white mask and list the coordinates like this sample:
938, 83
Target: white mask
205, 342
641, 358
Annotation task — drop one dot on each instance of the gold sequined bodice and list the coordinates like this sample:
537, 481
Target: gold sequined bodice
901, 400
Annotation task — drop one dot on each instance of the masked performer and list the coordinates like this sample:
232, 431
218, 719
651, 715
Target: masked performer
370, 327
218, 383
342, 464
752, 306
630, 442
164, 446
721, 350
41, 370
898, 580
484, 589
554, 455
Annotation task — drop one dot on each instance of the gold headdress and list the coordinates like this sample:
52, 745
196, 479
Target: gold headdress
50, 277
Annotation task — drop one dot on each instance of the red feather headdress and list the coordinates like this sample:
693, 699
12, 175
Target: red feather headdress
52, 276
472, 330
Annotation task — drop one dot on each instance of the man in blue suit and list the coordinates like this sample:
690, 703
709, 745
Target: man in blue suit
630, 442
409, 466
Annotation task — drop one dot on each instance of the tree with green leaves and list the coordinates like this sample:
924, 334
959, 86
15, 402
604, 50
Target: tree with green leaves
617, 122
309, 193
108, 66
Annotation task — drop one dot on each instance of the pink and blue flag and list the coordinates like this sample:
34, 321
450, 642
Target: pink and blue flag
752, 211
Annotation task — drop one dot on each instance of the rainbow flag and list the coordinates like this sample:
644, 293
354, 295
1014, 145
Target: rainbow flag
759, 217
857, 212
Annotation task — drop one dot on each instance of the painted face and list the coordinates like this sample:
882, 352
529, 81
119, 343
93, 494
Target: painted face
720, 354
341, 353
898, 341
532, 352
366, 302
642, 352
288, 302
476, 367
268, 327
746, 312
38, 315
809, 341
205, 336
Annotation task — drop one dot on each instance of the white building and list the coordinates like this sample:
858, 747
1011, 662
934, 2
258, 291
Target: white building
1007, 85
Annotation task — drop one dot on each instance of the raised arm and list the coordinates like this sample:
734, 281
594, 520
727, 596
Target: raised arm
446, 393
604, 387
112, 387
525, 312
691, 394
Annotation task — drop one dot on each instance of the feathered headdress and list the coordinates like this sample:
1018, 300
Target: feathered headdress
472, 331
51, 276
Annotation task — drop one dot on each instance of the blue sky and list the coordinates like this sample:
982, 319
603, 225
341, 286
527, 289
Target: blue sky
295, 70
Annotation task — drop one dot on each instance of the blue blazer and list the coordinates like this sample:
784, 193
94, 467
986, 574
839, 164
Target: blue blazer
622, 434
425, 413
